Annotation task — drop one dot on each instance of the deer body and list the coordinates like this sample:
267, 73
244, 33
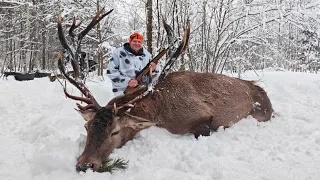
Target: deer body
189, 102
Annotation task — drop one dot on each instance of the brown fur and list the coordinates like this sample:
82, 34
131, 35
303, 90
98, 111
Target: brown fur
188, 102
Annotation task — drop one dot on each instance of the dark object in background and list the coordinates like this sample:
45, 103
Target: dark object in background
82, 63
92, 65
41, 74
24, 76
85, 64
6, 74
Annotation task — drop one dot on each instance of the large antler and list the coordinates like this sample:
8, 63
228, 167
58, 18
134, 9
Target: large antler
89, 99
181, 48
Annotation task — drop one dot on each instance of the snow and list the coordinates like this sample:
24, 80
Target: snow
41, 136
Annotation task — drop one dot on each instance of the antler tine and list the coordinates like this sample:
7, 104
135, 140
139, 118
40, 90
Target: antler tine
186, 37
90, 100
89, 106
94, 21
128, 104
171, 39
73, 27
62, 36
168, 29
133, 101
184, 42
83, 99
126, 98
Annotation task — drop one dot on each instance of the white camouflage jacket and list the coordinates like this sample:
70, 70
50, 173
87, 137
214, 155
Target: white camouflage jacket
124, 66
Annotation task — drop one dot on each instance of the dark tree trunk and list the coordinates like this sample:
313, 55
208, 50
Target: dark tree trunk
149, 25
43, 50
100, 55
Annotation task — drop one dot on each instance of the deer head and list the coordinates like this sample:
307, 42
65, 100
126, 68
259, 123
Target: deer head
108, 127
105, 132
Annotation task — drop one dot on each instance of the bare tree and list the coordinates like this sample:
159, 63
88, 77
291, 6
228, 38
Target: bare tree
149, 24
225, 34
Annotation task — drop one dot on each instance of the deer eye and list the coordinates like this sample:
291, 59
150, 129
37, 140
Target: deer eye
115, 133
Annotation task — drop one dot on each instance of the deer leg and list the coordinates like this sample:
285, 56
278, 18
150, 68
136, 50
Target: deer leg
261, 113
202, 129
262, 110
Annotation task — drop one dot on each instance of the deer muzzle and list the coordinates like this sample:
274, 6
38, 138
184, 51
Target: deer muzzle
84, 164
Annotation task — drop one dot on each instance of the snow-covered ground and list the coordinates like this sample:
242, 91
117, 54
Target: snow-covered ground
41, 136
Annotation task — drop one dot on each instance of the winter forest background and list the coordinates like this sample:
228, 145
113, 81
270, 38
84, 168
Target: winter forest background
235, 35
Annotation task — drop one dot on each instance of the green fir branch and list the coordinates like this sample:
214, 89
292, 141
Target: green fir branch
111, 165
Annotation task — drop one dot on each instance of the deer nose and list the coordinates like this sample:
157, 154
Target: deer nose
94, 165
88, 162
83, 167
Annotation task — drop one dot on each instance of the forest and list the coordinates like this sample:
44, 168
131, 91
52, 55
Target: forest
231, 35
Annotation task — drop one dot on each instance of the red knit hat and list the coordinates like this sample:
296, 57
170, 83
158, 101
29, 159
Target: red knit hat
135, 36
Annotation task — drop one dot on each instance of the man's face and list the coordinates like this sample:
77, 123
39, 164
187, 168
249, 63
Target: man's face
136, 44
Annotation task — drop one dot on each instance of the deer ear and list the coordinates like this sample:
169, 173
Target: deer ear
136, 122
87, 115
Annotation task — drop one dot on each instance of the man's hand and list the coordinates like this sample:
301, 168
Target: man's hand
152, 66
133, 83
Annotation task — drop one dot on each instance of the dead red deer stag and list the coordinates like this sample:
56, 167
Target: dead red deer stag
182, 102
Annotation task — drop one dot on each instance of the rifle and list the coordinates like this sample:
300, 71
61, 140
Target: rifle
146, 70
